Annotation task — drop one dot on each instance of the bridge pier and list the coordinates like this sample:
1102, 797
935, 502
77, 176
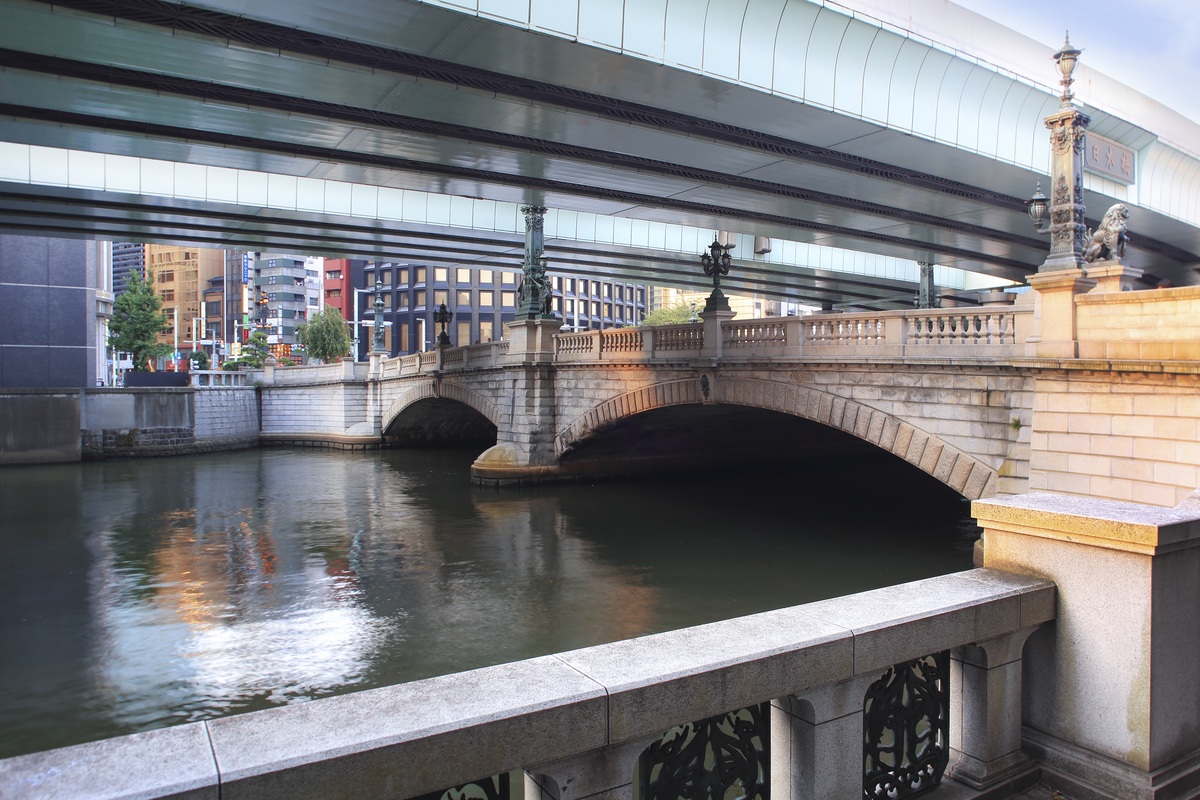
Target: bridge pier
524, 449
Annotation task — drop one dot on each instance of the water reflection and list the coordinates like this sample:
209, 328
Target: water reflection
145, 593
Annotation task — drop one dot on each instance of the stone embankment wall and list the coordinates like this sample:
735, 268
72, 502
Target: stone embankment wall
39, 426
120, 423
46, 426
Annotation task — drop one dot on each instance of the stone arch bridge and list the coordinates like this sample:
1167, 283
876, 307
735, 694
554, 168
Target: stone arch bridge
963, 395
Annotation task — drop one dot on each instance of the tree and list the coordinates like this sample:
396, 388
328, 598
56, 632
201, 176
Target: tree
669, 316
255, 350
325, 336
136, 322
199, 359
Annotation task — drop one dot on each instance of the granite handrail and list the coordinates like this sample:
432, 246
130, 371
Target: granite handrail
559, 715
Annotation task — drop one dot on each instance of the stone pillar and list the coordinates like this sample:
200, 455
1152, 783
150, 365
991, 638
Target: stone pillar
817, 743
1112, 276
985, 707
714, 342
1112, 689
1054, 329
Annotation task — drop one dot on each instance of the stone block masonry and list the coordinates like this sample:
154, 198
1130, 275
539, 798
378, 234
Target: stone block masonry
129, 423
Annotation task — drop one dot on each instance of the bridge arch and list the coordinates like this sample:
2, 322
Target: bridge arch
436, 389
960, 471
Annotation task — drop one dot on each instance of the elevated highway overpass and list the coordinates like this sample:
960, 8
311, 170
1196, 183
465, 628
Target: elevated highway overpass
412, 131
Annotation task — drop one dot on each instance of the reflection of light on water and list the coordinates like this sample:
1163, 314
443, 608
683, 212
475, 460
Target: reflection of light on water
211, 644
305, 651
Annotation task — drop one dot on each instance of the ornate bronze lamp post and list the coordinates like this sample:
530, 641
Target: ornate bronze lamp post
1068, 127
377, 343
443, 316
716, 263
535, 286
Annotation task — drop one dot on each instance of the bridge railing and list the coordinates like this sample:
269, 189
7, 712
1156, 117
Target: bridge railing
785, 697
344, 370
626, 344
209, 378
948, 333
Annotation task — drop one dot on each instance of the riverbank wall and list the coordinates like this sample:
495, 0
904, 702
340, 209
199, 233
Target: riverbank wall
45, 426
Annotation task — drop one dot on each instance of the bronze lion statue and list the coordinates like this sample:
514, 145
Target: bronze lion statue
1108, 241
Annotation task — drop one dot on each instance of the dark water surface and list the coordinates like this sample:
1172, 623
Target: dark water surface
140, 594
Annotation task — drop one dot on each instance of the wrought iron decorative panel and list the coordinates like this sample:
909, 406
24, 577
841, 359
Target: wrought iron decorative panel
495, 787
906, 729
720, 758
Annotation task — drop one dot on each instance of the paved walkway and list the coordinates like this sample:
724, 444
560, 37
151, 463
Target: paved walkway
1042, 792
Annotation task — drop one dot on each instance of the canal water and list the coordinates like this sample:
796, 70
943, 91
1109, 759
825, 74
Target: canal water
145, 593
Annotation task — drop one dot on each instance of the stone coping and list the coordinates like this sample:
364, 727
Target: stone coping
1111, 524
423, 736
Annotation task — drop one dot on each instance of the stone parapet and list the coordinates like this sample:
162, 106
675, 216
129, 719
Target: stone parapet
1113, 690
577, 720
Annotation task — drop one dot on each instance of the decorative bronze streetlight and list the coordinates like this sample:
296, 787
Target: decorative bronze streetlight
377, 343
443, 316
1068, 127
536, 295
716, 263
1038, 207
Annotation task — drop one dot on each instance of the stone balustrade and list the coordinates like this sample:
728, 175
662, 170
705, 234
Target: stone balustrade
948, 333
208, 378
576, 723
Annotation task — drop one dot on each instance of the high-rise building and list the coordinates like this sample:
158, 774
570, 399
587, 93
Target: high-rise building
483, 301
179, 274
127, 257
55, 303
287, 290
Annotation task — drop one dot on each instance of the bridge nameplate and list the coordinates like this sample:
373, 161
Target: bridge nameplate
1107, 158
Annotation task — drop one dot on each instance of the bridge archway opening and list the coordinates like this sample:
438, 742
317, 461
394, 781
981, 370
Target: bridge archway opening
439, 421
722, 439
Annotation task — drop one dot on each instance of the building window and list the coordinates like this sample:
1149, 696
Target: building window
333, 274
403, 339
608, 310
570, 306
419, 276
485, 330
441, 275
485, 299
608, 290
168, 295
508, 279
333, 294
463, 277
464, 332
385, 275
387, 302
464, 297
403, 301
420, 298
166, 276
508, 299
402, 277
485, 277
440, 297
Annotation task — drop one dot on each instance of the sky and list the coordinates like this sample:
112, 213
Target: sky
1149, 45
